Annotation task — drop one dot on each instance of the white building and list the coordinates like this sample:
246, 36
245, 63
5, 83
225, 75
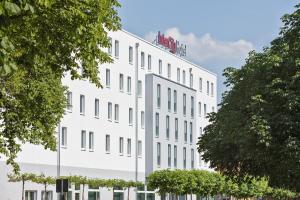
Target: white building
147, 117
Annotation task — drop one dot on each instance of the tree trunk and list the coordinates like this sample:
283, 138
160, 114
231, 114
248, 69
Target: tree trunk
113, 190
23, 185
128, 193
45, 193
83, 191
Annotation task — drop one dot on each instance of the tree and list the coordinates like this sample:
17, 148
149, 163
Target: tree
21, 178
39, 42
257, 128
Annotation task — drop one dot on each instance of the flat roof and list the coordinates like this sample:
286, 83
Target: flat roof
158, 47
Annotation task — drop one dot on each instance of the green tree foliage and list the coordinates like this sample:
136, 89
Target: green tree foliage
39, 42
257, 128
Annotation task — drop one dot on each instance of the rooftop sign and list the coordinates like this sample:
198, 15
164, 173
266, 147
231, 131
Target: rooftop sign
170, 44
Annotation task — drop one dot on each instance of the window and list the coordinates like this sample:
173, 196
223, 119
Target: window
200, 84
109, 49
142, 119
109, 111
107, 143
121, 145
192, 159
116, 48
184, 104
178, 75
184, 157
212, 89
167, 127
140, 89
169, 70
142, 60
200, 131
83, 140
158, 95
176, 129
64, 136
213, 109
175, 156
30, 195
149, 62
107, 76
129, 85
175, 101
46, 196
191, 132
158, 153
191, 81
130, 54
156, 124
140, 148
69, 101
199, 108
91, 141
96, 107
169, 155
93, 195
192, 107
183, 77
121, 82
129, 147
130, 116
207, 87
185, 131
205, 111
159, 67
116, 112
82, 104
118, 195
169, 99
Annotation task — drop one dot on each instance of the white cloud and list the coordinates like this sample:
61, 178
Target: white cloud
206, 50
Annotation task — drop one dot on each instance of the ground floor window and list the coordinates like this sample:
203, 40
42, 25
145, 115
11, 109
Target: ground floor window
141, 196
48, 196
118, 195
93, 195
30, 195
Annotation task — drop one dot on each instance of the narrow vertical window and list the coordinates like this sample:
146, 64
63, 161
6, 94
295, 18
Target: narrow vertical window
96, 107
200, 84
207, 87
107, 81
116, 48
175, 156
140, 150
158, 153
69, 101
205, 110
169, 99
130, 54
185, 131
191, 132
107, 143
121, 82
178, 75
199, 108
158, 88
140, 88
191, 81
142, 60
83, 140
82, 104
167, 127
159, 67
109, 111
212, 89
192, 106
184, 157
183, 77
142, 119
192, 159
129, 147
169, 70
176, 129
184, 104
109, 49
169, 155
130, 116
213, 109
175, 101
200, 131
156, 124
149, 62
64, 136
91, 141
116, 112
129, 85
121, 145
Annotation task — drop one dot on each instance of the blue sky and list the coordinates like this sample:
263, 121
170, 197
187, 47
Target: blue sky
218, 33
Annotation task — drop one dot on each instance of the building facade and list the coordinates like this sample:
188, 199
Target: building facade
148, 116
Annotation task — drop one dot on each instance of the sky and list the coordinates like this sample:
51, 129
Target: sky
218, 33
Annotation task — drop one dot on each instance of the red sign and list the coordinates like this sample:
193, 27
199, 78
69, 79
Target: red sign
171, 44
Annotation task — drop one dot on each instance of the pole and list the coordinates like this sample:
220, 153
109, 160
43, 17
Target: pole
59, 195
136, 111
